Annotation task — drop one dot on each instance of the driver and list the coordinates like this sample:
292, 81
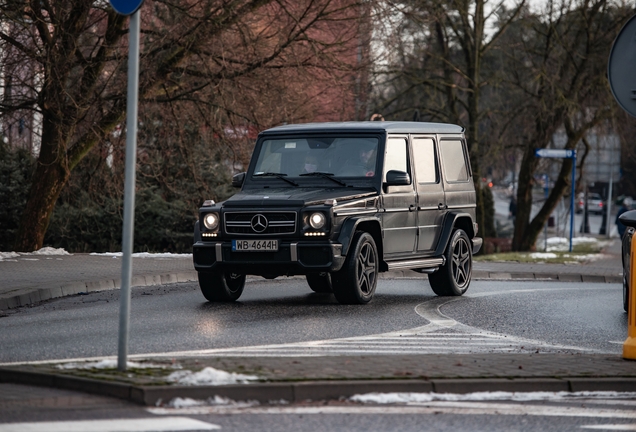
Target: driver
363, 164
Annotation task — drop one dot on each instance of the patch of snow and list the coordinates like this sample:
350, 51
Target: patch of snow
542, 255
562, 244
8, 255
209, 376
107, 364
179, 402
48, 251
414, 398
143, 255
44, 251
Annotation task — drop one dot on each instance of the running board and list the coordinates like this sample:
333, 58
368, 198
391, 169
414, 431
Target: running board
417, 264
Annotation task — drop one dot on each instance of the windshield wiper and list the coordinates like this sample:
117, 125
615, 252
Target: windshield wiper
324, 175
277, 175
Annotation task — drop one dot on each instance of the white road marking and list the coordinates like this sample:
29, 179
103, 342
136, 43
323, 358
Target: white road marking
618, 427
442, 335
113, 425
462, 408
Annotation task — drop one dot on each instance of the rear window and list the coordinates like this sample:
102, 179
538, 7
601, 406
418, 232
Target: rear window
454, 160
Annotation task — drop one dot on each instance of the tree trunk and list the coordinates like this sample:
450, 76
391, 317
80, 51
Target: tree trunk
48, 182
524, 199
51, 175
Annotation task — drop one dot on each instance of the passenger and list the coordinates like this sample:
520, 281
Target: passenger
311, 164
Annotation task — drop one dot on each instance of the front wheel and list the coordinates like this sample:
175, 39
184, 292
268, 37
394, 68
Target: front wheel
453, 278
355, 283
221, 286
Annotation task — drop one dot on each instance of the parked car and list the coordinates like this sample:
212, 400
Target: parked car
595, 203
629, 220
340, 203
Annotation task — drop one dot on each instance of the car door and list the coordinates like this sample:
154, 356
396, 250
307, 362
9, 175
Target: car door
431, 200
399, 216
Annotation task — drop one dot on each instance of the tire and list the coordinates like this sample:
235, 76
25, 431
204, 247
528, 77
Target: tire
453, 278
626, 291
320, 282
221, 286
355, 283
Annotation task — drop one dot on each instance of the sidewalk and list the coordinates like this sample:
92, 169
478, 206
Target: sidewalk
297, 379
30, 279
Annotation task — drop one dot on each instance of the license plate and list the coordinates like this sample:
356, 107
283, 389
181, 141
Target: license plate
254, 245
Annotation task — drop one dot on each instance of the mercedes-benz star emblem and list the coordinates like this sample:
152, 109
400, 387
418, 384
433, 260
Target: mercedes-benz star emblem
259, 223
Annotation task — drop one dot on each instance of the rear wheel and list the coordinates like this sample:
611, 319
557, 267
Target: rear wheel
355, 283
454, 277
221, 285
320, 282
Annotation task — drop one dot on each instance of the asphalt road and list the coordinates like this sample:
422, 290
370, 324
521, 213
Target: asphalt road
283, 316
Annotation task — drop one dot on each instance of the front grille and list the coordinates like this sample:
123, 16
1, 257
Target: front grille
277, 223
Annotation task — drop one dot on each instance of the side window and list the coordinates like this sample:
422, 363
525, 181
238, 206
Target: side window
425, 160
454, 161
396, 156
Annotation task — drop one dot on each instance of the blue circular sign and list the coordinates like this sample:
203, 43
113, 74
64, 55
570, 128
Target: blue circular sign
126, 7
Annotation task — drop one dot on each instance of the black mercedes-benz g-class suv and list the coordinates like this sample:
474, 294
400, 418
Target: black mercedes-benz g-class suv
341, 202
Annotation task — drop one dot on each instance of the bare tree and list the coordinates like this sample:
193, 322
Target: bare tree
436, 66
558, 70
71, 54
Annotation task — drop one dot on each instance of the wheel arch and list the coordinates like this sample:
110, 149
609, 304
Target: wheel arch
368, 224
454, 220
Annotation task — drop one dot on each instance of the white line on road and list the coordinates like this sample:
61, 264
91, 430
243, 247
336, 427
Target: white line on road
463, 408
113, 425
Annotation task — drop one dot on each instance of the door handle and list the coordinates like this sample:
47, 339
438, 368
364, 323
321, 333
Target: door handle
412, 207
442, 206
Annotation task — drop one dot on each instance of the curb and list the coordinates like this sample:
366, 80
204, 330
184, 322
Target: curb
313, 390
32, 296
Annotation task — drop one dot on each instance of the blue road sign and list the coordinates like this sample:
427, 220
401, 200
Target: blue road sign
126, 7
555, 153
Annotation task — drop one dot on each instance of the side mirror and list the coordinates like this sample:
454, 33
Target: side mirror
237, 180
397, 178
628, 218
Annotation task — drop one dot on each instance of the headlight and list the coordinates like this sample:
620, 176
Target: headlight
317, 220
211, 221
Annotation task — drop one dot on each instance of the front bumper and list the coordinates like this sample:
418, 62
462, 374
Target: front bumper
477, 242
292, 258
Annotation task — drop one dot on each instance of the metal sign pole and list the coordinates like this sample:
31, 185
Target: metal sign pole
129, 190
563, 154
572, 197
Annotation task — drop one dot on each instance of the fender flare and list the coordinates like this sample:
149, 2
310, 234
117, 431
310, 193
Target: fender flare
348, 229
447, 230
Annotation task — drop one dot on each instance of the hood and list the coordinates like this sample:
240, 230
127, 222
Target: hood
294, 197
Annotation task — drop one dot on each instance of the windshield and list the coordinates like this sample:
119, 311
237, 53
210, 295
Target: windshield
331, 156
